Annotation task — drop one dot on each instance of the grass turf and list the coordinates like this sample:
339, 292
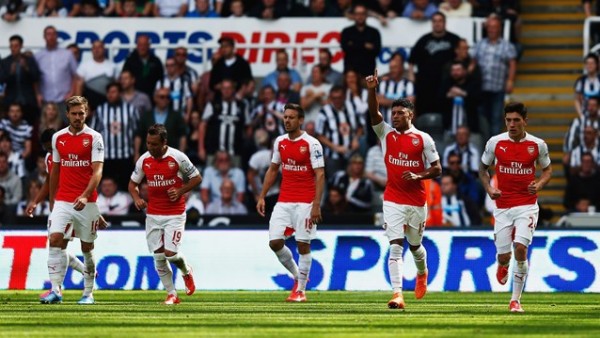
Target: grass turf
327, 314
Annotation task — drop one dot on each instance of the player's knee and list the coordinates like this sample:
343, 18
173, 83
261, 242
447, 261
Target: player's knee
56, 240
87, 247
169, 253
520, 251
303, 248
414, 247
276, 245
172, 258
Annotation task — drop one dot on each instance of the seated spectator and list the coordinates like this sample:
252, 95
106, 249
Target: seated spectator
13, 10
52, 8
585, 183
591, 144
574, 136
50, 118
358, 188
267, 115
282, 64
39, 173
458, 210
201, 10
110, 200
236, 10
285, 93
587, 85
226, 204
134, 8
170, 8
461, 54
210, 189
42, 208
268, 10
314, 95
336, 203
456, 8
459, 99
19, 130
15, 160
89, 9
258, 164
331, 75
13, 188
419, 10
468, 184
179, 87
384, 10
465, 149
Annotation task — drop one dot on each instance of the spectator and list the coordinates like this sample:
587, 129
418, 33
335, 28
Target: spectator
585, 183
268, 114
282, 61
339, 130
227, 203
466, 150
89, 9
58, 69
456, 8
54, 8
595, 11
204, 92
344, 8
574, 136
358, 188
375, 171
95, 75
73, 7
459, 98
590, 144
230, 66
497, 59
336, 203
16, 163
161, 113
394, 86
431, 52
331, 75
356, 96
128, 9
461, 54
74, 49
111, 201
268, 10
20, 74
201, 10
587, 85
257, 168
19, 131
505, 10
119, 122
185, 71
236, 10
7, 214
224, 124
50, 118
213, 5
194, 208
13, 10
13, 188
361, 43
192, 137
145, 67
384, 10
170, 8
419, 10
142, 7
107, 7
315, 9
458, 211
314, 95
134, 97
215, 174
179, 89
42, 208
39, 173
468, 184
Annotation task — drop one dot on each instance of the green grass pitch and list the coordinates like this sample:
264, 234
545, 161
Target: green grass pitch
327, 314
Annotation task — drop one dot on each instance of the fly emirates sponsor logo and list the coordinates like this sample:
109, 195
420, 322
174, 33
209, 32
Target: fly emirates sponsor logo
159, 181
73, 161
402, 160
292, 166
515, 168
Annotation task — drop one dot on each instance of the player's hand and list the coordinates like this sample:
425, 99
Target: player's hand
410, 176
260, 206
372, 81
140, 204
494, 193
80, 203
533, 188
315, 214
174, 194
30, 208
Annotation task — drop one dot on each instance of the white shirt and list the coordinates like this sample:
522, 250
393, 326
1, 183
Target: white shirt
91, 69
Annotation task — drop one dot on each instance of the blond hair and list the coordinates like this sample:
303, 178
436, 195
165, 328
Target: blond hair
75, 101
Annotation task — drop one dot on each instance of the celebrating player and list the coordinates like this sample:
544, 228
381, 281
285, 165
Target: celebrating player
300, 157
407, 153
515, 154
77, 156
165, 170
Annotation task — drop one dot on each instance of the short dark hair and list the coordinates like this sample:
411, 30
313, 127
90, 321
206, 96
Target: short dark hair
440, 14
114, 84
516, 107
593, 56
16, 37
296, 107
47, 134
158, 129
405, 103
228, 40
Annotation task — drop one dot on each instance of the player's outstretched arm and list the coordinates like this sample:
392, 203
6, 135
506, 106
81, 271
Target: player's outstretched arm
270, 177
484, 177
135, 195
372, 83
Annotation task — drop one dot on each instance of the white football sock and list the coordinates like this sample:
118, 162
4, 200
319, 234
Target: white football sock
75, 263
304, 263
395, 267
89, 273
420, 257
57, 268
519, 278
163, 268
179, 260
287, 260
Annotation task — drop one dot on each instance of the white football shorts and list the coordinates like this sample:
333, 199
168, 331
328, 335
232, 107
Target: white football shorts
82, 224
515, 224
294, 215
165, 231
404, 220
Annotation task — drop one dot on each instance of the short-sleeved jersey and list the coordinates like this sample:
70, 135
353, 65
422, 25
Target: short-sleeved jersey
75, 154
48, 161
298, 159
515, 166
412, 150
163, 174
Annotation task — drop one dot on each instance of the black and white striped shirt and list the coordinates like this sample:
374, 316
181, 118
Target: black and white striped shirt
339, 127
580, 150
263, 117
226, 121
574, 136
358, 104
394, 90
469, 155
18, 134
180, 91
119, 122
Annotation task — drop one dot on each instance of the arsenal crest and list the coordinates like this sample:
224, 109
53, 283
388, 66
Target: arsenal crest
415, 141
303, 149
531, 150
86, 142
171, 165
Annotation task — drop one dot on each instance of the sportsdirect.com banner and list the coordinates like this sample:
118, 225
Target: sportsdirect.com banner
342, 260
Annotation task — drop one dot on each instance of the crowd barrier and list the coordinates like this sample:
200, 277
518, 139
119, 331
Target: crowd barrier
228, 258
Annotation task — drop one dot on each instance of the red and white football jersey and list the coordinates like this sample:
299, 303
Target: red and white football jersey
48, 161
163, 174
75, 154
298, 159
515, 166
412, 150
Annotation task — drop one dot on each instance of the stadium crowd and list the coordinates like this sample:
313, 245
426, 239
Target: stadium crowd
226, 119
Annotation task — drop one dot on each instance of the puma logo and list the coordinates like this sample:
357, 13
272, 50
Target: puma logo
395, 137
147, 165
503, 149
283, 146
519, 277
62, 143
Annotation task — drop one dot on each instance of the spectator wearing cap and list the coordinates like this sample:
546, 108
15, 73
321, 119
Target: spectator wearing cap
230, 66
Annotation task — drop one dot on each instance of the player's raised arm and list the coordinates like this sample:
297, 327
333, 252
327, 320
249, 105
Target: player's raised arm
372, 84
